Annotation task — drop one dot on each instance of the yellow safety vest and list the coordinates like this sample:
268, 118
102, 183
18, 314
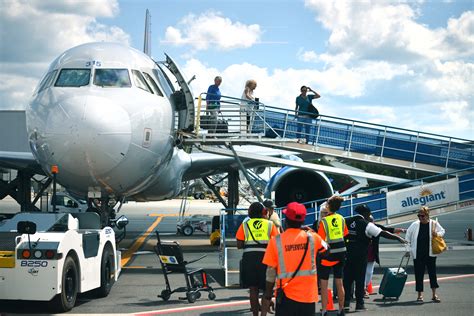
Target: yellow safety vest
334, 227
257, 232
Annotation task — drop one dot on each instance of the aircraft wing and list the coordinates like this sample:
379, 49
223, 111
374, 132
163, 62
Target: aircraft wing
15, 151
206, 164
19, 161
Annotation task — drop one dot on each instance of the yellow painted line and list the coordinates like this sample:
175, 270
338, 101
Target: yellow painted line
135, 267
162, 215
127, 255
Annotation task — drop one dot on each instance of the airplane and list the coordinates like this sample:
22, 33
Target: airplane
111, 120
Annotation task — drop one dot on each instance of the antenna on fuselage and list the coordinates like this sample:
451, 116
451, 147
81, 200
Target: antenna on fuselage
147, 37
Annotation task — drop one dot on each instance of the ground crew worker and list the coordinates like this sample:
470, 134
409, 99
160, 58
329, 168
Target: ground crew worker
333, 229
253, 236
357, 243
272, 215
291, 260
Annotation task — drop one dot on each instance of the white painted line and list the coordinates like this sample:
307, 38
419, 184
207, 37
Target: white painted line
193, 308
246, 302
401, 249
454, 277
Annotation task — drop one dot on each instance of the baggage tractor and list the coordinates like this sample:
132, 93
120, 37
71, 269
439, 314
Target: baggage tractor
394, 280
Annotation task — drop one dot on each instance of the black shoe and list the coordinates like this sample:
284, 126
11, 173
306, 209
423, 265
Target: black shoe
341, 313
360, 307
347, 306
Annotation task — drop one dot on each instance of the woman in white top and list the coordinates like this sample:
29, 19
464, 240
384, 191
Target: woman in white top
419, 236
247, 106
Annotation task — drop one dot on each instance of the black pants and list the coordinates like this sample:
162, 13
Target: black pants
354, 271
289, 307
420, 264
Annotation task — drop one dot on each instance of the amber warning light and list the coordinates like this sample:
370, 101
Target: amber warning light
54, 169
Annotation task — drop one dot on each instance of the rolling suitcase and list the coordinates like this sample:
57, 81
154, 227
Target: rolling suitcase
394, 280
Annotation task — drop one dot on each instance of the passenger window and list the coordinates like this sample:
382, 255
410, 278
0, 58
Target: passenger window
139, 81
118, 78
73, 78
153, 84
47, 80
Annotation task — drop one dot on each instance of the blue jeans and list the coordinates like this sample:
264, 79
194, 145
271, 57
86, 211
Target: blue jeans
306, 121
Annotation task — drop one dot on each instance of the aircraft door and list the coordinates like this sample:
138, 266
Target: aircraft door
183, 99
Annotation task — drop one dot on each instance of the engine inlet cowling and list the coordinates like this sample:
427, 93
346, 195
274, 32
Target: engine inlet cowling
298, 185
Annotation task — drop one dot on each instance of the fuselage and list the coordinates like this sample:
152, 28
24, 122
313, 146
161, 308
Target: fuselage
102, 114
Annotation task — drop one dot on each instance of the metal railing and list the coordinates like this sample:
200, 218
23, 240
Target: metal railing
242, 118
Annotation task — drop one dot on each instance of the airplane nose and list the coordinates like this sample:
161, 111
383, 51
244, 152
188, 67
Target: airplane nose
88, 135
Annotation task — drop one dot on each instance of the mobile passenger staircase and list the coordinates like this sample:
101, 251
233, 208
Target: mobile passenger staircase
240, 122
450, 160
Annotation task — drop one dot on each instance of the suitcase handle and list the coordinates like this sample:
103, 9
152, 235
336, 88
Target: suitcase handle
406, 255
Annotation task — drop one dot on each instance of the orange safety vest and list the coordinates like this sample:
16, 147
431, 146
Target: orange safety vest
290, 248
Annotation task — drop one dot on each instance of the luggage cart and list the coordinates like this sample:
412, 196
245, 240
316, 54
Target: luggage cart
171, 259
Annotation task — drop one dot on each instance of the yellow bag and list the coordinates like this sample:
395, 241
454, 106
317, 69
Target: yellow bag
215, 238
437, 243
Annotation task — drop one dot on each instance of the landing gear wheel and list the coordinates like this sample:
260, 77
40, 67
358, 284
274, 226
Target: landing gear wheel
66, 300
191, 296
211, 296
165, 295
107, 272
187, 230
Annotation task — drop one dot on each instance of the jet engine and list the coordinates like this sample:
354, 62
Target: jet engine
298, 185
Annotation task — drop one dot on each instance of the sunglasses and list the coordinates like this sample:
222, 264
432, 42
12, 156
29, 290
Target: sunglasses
421, 216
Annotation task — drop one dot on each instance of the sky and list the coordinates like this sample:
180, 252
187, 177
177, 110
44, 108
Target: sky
406, 63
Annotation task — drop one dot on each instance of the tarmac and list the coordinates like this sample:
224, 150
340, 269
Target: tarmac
135, 293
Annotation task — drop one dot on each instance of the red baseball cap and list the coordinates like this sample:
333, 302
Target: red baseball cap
295, 211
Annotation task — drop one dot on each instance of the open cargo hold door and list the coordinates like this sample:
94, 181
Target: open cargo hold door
182, 99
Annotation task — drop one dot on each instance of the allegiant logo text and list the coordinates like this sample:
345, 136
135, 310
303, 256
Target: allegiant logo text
422, 200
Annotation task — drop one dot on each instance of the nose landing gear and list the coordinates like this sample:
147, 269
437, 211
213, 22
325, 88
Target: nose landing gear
104, 208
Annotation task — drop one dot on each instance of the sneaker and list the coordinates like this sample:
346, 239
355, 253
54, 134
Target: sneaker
347, 306
360, 307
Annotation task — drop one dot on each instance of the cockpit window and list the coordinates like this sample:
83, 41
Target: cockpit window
164, 80
152, 84
47, 80
139, 81
118, 78
73, 78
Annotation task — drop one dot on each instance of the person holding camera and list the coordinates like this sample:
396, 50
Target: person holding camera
303, 113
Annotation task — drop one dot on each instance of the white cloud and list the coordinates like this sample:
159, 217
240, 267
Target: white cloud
33, 33
280, 87
382, 40
452, 80
309, 56
212, 30
102, 8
